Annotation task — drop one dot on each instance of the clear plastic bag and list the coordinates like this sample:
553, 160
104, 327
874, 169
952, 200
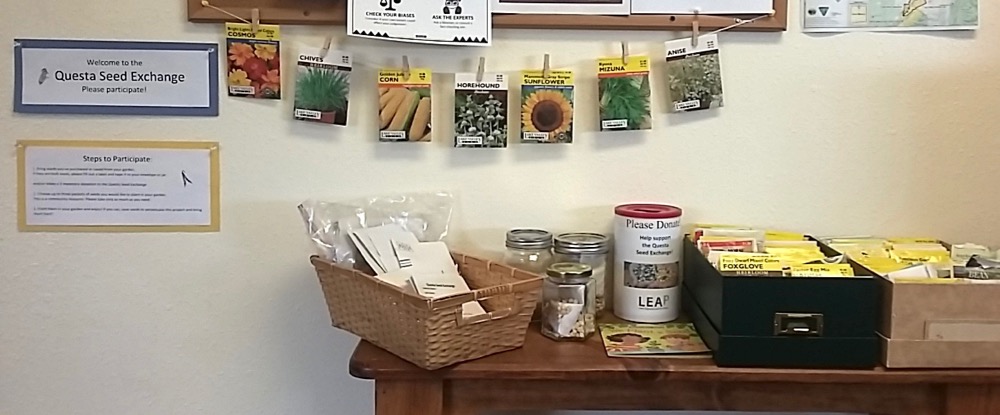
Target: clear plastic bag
427, 215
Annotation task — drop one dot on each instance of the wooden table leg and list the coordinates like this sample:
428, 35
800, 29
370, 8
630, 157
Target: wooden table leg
972, 400
408, 397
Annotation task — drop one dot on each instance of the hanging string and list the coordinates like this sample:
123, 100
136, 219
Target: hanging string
741, 22
369, 64
205, 3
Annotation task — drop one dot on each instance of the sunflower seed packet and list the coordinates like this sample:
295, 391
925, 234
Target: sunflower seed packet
253, 61
481, 111
322, 88
623, 87
547, 107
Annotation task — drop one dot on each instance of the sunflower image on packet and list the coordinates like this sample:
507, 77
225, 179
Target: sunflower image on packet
547, 107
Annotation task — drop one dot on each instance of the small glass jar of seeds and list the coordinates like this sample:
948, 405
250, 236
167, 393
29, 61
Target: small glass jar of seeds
568, 302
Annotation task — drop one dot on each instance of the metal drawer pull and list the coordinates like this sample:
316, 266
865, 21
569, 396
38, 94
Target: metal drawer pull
798, 324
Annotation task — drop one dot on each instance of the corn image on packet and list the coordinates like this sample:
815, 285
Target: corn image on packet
404, 105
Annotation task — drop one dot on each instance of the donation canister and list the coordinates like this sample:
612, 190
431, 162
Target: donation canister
648, 245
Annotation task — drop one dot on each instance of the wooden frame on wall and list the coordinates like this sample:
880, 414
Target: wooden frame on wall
334, 12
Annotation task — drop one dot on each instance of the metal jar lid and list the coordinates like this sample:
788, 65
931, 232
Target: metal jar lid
581, 243
570, 272
529, 239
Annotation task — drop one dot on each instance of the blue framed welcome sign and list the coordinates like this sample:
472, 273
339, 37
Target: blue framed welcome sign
111, 77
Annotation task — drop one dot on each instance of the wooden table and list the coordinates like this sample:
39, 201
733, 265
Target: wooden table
550, 375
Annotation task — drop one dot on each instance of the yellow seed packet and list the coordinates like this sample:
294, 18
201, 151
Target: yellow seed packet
404, 105
547, 107
791, 244
913, 256
895, 241
773, 235
820, 270
881, 266
623, 91
739, 263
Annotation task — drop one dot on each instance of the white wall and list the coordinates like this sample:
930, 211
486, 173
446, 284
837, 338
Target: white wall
879, 133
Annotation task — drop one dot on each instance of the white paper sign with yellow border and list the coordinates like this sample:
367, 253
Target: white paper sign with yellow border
117, 186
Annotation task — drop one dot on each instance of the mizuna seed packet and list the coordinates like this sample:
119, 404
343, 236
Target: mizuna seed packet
404, 105
623, 87
254, 61
547, 107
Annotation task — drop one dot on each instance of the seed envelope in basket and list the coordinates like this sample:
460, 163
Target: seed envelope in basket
426, 268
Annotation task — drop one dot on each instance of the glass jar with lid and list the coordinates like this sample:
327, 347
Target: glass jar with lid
568, 298
590, 249
529, 250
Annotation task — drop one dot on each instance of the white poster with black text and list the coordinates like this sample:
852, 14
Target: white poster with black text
440, 22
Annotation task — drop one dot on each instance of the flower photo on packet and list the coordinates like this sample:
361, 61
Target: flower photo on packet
253, 61
547, 107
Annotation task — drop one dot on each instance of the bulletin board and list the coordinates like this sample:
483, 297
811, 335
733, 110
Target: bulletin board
334, 12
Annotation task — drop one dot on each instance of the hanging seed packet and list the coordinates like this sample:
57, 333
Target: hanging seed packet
547, 107
404, 105
481, 110
694, 74
623, 88
254, 63
322, 87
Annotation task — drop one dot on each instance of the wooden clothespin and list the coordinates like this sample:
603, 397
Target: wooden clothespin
625, 53
695, 28
406, 67
481, 70
255, 20
326, 46
545, 68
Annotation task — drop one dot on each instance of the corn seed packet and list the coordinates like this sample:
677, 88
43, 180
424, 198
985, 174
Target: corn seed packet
322, 88
547, 107
694, 74
254, 61
404, 105
623, 87
481, 111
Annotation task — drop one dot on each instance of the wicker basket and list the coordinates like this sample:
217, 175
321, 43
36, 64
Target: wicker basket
432, 333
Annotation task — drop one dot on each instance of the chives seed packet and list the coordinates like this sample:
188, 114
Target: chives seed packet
481, 111
623, 87
547, 107
254, 61
694, 74
322, 88
404, 105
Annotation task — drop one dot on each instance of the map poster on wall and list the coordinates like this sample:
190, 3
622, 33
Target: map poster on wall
111, 77
703, 6
613, 7
440, 22
889, 15
117, 186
